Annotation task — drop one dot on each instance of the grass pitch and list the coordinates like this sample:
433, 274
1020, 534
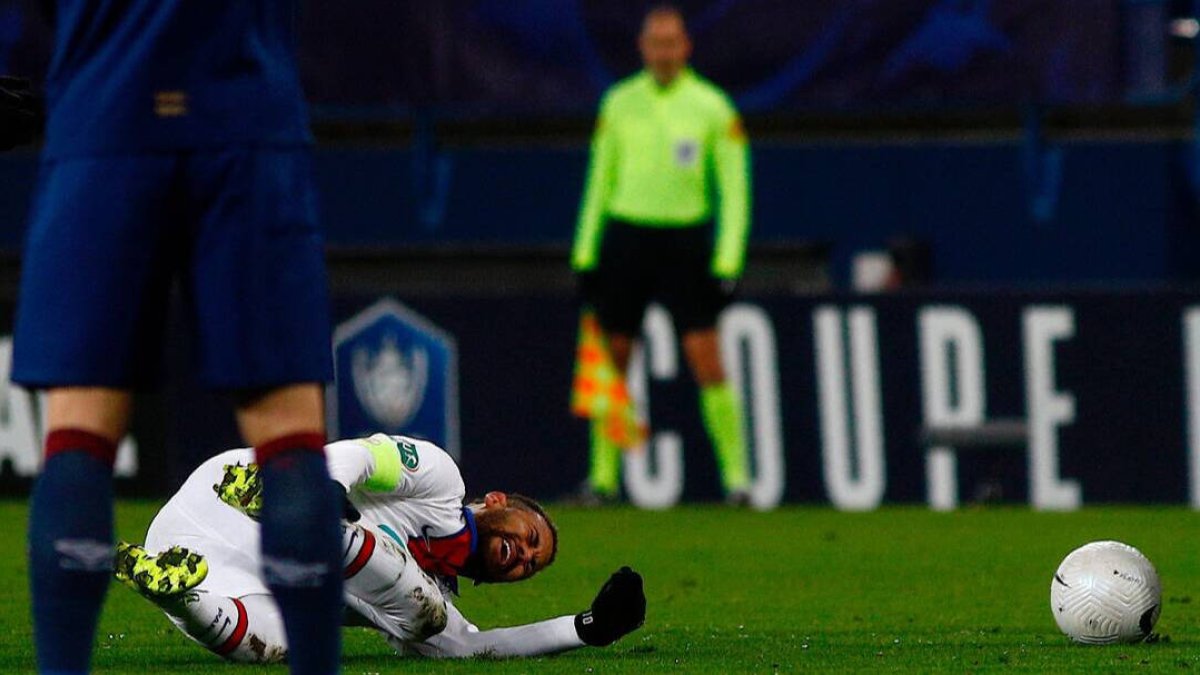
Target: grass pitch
800, 589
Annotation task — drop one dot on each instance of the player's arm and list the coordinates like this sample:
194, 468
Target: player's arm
731, 165
462, 639
357, 463
22, 113
601, 173
403, 467
619, 609
384, 463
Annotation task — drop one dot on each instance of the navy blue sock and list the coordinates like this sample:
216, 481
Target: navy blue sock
301, 545
70, 547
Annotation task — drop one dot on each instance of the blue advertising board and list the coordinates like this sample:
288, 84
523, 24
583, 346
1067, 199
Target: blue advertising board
1100, 390
838, 389
396, 373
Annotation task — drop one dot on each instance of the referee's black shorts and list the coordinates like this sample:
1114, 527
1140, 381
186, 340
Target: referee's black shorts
671, 265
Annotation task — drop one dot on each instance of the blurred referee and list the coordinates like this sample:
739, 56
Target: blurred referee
669, 157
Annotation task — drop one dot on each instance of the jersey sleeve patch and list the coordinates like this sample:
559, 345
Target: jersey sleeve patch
409, 457
737, 131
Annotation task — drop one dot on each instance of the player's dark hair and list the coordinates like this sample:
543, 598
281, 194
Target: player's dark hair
519, 501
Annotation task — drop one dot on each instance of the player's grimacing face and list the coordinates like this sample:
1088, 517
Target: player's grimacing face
515, 543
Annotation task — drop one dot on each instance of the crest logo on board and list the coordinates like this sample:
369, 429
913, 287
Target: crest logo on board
396, 374
389, 383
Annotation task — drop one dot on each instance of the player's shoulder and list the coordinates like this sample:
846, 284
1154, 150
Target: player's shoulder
422, 467
426, 460
415, 452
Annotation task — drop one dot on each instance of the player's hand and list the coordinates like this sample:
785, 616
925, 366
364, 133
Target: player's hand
21, 112
241, 488
619, 609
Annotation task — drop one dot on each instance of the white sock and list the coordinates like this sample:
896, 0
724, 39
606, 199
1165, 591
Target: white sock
385, 585
247, 629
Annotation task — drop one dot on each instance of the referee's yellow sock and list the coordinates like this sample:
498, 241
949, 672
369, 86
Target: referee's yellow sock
605, 466
722, 413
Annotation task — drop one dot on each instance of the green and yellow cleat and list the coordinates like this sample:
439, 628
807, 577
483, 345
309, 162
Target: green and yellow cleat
165, 576
241, 488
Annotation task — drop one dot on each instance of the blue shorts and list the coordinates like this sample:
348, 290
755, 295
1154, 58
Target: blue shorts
235, 226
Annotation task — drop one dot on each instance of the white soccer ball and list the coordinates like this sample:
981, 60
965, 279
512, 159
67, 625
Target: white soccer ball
1106, 592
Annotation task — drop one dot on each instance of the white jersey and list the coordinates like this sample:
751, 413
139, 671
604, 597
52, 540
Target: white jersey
412, 491
407, 489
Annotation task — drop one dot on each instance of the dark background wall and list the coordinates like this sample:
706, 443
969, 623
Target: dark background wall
1119, 211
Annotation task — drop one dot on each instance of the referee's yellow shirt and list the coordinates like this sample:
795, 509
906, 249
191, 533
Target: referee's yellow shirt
661, 157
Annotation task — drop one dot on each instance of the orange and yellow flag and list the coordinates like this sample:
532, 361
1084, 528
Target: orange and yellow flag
599, 391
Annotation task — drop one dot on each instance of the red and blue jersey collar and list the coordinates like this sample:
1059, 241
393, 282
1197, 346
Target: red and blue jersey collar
446, 556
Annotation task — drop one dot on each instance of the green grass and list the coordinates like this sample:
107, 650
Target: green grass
800, 589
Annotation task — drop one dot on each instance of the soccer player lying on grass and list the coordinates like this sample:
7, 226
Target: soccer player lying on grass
410, 539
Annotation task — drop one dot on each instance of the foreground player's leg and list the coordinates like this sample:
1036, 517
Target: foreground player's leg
70, 524
720, 410
300, 534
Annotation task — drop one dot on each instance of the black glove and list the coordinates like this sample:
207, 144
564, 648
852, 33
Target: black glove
22, 112
619, 609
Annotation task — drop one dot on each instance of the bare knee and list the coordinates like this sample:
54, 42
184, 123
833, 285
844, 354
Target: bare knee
620, 347
291, 409
703, 351
99, 410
